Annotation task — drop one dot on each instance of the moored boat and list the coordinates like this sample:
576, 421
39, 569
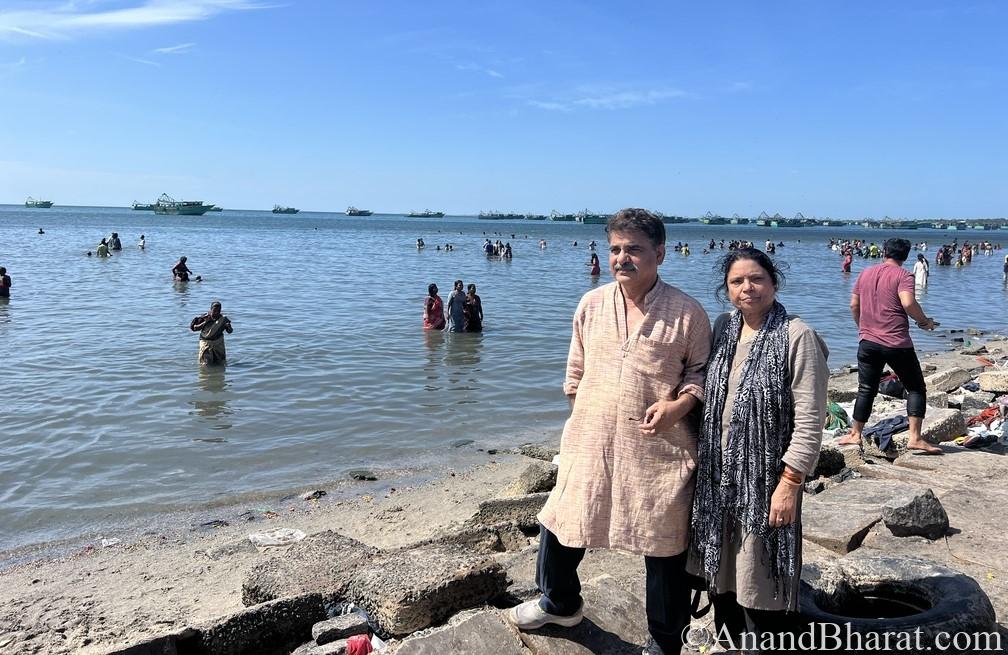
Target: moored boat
425, 214
536, 217
143, 206
353, 211
498, 216
589, 218
277, 209
562, 218
167, 205
38, 204
713, 219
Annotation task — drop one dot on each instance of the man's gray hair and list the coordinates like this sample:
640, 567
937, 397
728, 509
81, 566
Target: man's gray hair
641, 220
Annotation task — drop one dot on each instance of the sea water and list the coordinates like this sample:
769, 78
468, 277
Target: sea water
106, 414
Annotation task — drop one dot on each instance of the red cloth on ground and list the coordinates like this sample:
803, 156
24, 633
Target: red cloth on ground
985, 417
358, 645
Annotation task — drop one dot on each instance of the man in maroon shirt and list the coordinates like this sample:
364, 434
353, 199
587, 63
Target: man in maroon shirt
882, 301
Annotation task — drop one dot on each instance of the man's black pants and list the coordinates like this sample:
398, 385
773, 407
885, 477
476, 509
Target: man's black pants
872, 359
668, 590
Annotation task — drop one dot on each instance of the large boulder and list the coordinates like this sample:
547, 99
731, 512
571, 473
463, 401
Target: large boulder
407, 590
947, 379
320, 563
535, 478
994, 381
840, 517
916, 515
939, 425
976, 400
521, 511
403, 590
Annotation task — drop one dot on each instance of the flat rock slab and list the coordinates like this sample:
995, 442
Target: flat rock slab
521, 511
265, 627
535, 478
403, 590
320, 563
615, 623
340, 627
483, 633
410, 589
840, 517
948, 379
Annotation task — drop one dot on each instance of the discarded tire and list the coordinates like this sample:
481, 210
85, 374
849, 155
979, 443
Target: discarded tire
881, 596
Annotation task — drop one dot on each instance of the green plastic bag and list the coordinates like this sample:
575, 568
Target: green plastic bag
837, 419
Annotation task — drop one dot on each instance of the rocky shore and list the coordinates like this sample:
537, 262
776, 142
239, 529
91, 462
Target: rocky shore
432, 565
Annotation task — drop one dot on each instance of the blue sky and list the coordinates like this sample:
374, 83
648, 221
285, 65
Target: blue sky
832, 109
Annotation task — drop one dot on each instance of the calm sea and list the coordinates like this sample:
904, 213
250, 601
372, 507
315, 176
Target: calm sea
106, 414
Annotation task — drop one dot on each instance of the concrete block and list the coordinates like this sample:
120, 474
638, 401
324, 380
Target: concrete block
948, 379
521, 511
994, 381
339, 627
535, 478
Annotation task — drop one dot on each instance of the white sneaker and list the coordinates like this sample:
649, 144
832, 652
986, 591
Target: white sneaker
529, 616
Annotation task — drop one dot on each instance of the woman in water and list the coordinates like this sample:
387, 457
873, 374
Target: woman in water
433, 309
596, 269
473, 310
921, 271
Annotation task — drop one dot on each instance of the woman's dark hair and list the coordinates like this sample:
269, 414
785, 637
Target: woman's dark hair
633, 218
431, 289
752, 254
921, 258
471, 287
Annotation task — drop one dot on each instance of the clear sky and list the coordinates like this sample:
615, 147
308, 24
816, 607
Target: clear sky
842, 109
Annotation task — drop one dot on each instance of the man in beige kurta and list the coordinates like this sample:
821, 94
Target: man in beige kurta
635, 372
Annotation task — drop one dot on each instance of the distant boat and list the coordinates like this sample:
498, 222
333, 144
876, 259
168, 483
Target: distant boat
277, 209
168, 205
589, 218
672, 220
143, 206
713, 219
498, 216
536, 217
353, 211
37, 204
562, 218
426, 214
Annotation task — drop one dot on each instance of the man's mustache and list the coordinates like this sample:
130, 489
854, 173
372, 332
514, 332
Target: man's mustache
624, 267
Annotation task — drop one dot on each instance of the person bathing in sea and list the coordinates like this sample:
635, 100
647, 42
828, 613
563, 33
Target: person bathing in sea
103, 249
433, 309
5, 283
211, 327
181, 272
143, 243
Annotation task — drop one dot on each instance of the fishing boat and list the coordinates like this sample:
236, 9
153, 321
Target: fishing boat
738, 220
143, 206
589, 218
713, 219
167, 205
37, 204
277, 209
672, 220
562, 218
536, 217
426, 214
499, 216
353, 211
763, 220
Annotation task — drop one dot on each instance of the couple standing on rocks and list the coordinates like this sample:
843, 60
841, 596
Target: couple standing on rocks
686, 449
